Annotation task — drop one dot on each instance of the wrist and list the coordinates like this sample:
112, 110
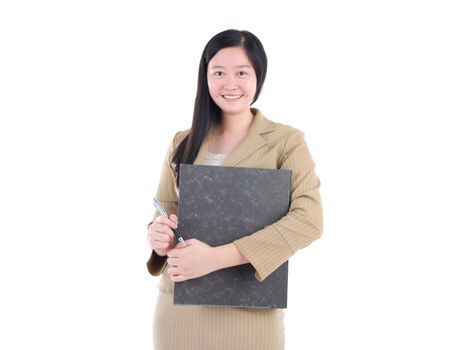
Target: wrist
227, 256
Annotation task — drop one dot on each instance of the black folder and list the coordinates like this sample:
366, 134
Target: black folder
218, 205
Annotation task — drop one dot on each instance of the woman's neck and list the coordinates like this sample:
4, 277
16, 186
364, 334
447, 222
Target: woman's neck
235, 123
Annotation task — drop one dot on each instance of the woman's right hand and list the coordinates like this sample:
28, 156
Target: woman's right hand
160, 235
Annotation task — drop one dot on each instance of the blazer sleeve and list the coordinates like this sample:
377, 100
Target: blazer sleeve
167, 194
269, 248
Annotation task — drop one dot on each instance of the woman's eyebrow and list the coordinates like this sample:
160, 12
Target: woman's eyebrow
239, 66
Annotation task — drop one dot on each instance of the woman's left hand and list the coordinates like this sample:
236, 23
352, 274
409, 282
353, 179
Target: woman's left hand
195, 259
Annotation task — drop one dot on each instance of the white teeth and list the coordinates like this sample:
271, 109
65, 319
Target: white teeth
231, 97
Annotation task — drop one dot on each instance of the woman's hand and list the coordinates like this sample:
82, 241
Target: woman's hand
195, 259
160, 235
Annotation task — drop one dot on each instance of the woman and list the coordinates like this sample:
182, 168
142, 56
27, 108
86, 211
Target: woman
227, 131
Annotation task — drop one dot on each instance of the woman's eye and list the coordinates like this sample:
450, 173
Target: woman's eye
242, 73
218, 74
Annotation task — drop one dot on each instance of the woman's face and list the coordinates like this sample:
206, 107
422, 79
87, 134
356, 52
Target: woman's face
231, 80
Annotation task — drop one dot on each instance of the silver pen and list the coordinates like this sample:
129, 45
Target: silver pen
164, 213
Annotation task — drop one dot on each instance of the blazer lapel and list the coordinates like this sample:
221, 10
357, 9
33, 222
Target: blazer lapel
252, 142
247, 147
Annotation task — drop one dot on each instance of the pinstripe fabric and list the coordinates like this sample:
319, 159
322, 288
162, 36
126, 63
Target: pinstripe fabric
267, 145
215, 328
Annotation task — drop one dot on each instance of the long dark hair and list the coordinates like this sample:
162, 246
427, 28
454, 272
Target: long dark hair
206, 112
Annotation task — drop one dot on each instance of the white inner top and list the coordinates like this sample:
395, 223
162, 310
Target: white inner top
215, 158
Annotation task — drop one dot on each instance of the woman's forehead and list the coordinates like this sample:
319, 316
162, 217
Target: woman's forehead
230, 57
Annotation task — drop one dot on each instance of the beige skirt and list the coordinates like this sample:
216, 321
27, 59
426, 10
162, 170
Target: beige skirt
209, 327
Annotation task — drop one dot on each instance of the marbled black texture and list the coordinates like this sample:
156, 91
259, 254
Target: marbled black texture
218, 205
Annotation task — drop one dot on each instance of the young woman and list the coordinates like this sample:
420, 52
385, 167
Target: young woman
227, 131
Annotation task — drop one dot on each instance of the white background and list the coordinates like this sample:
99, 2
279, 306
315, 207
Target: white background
91, 93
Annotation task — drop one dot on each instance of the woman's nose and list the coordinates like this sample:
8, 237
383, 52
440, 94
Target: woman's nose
230, 83
230, 87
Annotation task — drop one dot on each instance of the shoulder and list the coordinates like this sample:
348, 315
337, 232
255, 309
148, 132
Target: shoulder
275, 132
178, 137
288, 139
291, 145
284, 131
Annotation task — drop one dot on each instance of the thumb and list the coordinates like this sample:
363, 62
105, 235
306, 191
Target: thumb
174, 218
192, 241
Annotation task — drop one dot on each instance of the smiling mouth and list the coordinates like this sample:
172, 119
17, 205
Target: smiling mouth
231, 97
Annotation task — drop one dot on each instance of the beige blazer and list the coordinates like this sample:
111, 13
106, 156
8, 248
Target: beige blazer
267, 145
